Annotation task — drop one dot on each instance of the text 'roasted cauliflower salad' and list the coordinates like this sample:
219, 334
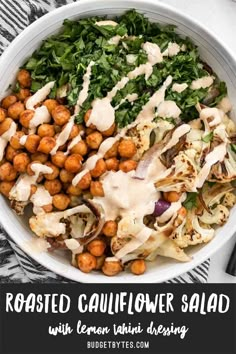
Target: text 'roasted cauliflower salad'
117, 136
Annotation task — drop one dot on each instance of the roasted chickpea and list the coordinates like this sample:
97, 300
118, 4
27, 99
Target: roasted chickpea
171, 197
96, 189
15, 110
15, 140
96, 247
53, 187
23, 94
60, 201
73, 190
110, 228
111, 268
182, 212
8, 101
61, 115
99, 169
86, 262
24, 78
30, 172
128, 165
80, 148
59, 159
127, 148
65, 176
46, 144
5, 188
50, 104
113, 151
86, 118
11, 153
73, 163
85, 181
32, 143
100, 262
7, 172
40, 157
5, 125
76, 129
94, 140
46, 130
25, 117
3, 114
89, 131
54, 174
112, 164
138, 267
110, 131
20, 162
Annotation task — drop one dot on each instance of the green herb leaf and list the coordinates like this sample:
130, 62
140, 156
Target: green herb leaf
191, 201
208, 137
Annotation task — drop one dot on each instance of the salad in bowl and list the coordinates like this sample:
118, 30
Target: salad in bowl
118, 137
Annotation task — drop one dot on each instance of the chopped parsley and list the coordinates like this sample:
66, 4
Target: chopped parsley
191, 201
64, 58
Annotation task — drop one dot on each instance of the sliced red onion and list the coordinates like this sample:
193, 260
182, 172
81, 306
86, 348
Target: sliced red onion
98, 225
160, 207
144, 163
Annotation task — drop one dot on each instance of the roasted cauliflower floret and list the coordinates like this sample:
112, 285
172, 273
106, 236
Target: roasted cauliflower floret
217, 216
229, 200
181, 176
191, 233
224, 171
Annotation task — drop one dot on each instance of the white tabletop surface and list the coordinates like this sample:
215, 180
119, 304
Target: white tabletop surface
220, 17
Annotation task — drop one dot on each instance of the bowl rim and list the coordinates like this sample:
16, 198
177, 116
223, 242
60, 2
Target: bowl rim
205, 252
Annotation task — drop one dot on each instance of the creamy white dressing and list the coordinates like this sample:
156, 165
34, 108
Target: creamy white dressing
50, 223
168, 109
148, 110
179, 87
143, 69
214, 113
203, 82
121, 197
131, 97
23, 139
39, 96
41, 115
106, 23
172, 50
85, 88
63, 136
140, 238
39, 199
114, 40
73, 142
6, 137
72, 244
79, 176
103, 114
153, 52
21, 190
216, 155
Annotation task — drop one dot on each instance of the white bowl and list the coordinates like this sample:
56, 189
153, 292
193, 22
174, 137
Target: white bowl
211, 50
